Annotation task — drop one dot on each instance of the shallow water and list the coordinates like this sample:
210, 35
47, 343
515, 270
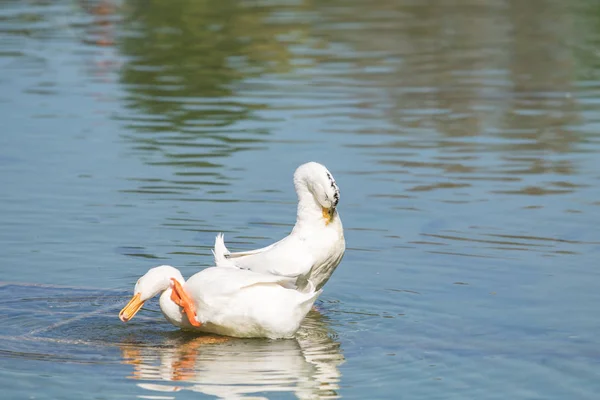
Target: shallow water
464, 138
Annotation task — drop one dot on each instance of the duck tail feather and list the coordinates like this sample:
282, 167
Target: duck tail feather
220, 252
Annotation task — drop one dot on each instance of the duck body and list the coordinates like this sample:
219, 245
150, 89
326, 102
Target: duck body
227, 301
316, 245
244, 303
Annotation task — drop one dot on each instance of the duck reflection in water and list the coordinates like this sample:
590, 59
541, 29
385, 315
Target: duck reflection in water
232, 368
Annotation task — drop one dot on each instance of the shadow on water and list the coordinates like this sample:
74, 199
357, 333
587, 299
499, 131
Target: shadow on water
80, 326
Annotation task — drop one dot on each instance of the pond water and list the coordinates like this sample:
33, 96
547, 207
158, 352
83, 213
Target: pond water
464, 136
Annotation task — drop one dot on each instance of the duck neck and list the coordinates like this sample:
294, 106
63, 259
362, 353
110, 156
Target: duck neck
309, 211
171, 311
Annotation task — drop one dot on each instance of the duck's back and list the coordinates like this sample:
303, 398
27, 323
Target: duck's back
243, 303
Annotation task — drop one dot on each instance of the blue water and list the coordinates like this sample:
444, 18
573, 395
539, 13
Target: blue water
464, 139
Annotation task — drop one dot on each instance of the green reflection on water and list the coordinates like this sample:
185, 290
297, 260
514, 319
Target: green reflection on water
186, 59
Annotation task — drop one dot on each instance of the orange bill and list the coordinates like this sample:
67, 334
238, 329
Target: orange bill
182, 299
131, 308
327, 214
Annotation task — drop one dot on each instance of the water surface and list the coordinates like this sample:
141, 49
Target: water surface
464, 138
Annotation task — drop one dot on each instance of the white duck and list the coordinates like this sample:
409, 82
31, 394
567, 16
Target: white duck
316, 245
225, 301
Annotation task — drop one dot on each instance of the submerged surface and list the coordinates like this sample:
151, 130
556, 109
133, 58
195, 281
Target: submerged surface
464, 139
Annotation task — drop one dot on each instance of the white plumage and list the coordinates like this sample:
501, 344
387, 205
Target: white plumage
228, 301
316, 245
259, 293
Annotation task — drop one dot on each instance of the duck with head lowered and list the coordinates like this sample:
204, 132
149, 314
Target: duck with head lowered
226, 301
316, 245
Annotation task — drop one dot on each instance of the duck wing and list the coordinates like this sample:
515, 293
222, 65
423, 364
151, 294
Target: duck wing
287, 258
224, 281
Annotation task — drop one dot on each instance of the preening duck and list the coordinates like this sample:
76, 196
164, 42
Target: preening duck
226, 301
316, 245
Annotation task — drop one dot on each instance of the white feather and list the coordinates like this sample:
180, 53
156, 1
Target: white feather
314, 248
233, 302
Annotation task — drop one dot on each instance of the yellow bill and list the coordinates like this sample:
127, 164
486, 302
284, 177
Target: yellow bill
134, 305
328, 214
